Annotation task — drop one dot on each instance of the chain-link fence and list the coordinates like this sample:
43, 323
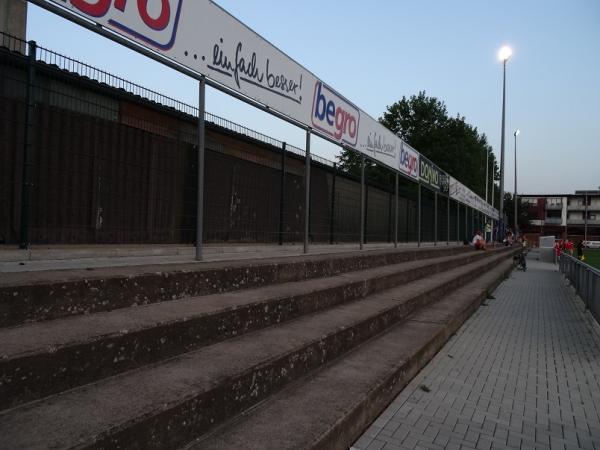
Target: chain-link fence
88, 157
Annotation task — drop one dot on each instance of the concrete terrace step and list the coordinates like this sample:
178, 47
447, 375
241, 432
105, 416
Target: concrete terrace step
43, 358
170, 403
330, 408
27, 297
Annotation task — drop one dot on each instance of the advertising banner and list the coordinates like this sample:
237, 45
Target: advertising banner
201, 36
204, 38
463, 194
433, 176
408, 162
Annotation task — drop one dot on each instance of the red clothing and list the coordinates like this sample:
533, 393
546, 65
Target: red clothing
558, 248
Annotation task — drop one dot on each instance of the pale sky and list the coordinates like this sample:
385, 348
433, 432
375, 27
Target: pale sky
375, 52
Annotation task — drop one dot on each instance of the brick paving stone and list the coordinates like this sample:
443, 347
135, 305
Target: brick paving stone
523, 372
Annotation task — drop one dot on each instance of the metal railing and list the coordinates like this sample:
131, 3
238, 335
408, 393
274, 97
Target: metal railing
586, 281
103, 168
62, 62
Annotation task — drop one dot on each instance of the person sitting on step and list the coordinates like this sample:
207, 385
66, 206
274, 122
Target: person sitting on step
478, 241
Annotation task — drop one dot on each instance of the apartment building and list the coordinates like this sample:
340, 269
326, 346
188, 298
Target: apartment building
564, 214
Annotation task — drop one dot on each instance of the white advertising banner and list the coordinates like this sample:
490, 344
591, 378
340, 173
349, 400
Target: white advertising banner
463, 194
384, 146
201, 36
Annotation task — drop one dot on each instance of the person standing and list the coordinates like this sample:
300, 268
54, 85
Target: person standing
569, 246
580, 250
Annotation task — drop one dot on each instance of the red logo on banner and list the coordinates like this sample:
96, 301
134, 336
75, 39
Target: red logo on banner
158, 28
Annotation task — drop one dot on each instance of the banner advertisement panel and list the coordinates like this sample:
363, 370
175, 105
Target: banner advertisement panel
463, 194
409, 160
433, 176
204, 38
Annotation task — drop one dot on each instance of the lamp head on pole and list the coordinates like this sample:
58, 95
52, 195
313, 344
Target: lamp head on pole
505, 53
517, 133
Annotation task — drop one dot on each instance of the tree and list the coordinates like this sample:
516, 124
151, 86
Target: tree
450, 142
523, 215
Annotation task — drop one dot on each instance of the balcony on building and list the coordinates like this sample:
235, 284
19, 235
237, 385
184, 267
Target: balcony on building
578, 218
553, 221
555, 204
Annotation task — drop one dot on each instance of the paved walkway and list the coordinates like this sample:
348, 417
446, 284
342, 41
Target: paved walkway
523, 373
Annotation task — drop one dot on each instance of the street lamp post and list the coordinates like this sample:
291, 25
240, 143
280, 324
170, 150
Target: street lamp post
586, 217
487, 167
504, 55
516, 133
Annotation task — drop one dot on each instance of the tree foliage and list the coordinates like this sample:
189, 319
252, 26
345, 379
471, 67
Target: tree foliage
450, 142
523, 213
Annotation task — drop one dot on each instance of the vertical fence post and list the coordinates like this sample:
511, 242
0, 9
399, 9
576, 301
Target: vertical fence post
307, 192
466, 223
366, 229
332, 215
396, 213
419, 215
362, 201
201, 150
282, 194
457, 222
588, 277
448, 220
406, 224
435, 218
28, 148
389, 230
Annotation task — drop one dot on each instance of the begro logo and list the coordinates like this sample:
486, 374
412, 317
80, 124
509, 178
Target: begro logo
152, 21
335, 116
408, 162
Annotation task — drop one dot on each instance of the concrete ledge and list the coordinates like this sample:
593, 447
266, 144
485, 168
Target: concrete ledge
329, 410
61, 294
189, 395
62, 354
80, 253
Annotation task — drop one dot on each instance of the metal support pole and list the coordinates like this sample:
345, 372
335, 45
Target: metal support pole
307, 192
435, 218
366, 228
419, 216
487, 171
458, 222
201, 150
406, 222
586, 218
362, 202
515, 199
448, 220
466, 223
502, 154
389, 233
396, 213
26, 181
282, 194
332, 215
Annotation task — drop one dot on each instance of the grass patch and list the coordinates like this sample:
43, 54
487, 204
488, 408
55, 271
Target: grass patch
592, 257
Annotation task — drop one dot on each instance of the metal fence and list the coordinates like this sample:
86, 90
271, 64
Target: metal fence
88, 157
586, 281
